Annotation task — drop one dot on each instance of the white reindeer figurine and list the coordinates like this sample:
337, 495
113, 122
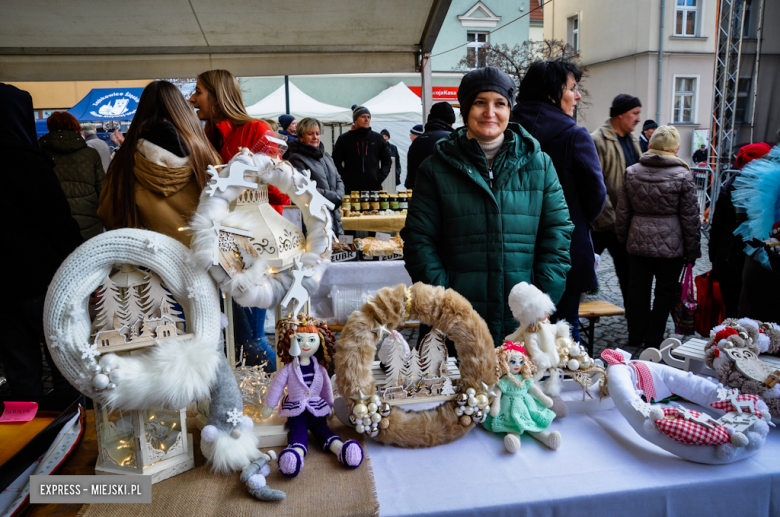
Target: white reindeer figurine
317, 203
235, 178
297, 291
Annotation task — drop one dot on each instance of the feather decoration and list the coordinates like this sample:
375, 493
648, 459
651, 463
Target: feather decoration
757, 192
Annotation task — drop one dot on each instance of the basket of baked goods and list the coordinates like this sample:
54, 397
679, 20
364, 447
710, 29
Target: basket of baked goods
382, 247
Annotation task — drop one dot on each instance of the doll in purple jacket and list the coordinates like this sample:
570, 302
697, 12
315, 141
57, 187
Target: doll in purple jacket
309, 397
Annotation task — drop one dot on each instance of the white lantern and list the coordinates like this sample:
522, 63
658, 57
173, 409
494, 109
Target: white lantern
149, 442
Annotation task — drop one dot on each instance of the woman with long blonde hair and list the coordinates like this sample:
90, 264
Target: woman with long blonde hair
217, 98
156, 177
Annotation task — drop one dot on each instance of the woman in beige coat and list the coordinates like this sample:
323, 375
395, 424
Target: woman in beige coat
156, 177
658, 221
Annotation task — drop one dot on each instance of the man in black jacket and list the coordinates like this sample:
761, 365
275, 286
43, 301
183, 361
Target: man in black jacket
362, 156
29, 175
393, 154
439, 125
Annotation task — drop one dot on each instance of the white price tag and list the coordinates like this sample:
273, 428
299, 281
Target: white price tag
383, 236
346, 239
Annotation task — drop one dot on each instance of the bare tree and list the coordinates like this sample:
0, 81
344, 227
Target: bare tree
516, 60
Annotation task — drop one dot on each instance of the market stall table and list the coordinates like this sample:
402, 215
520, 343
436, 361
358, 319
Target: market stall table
375, 223
602, 468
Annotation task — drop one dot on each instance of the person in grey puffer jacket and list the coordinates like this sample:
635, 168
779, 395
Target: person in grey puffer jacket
308, 153
658, 220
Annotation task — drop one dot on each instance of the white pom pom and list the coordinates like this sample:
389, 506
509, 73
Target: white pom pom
574, 351
763, 343
247, 422
756, 441
761, 427
761, 406
747, 322
738, 440
255, 482
223, 320
725, 451
715, 330
265, 470
209, 433
773, 393
656, 414
651, 428
573, 364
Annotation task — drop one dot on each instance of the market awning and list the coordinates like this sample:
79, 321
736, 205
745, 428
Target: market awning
396, 103
41, 40
102, 104
301, 106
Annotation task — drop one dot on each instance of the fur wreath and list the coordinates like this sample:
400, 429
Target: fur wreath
443, 309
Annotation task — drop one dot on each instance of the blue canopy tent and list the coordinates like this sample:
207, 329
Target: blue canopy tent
104, 104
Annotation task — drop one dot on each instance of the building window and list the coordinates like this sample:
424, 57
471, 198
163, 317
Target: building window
475, 50
684, 100
574, 32
743, 100
685, 17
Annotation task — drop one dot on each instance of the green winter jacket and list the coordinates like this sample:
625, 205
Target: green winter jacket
80, 171
480, 240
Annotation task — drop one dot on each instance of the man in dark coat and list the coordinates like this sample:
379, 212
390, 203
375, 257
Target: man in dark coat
288, 125
362, 156
29, 174
700, 155
439, 125
393, 154
648, 128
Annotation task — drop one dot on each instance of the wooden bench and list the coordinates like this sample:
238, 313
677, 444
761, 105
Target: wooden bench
593, 311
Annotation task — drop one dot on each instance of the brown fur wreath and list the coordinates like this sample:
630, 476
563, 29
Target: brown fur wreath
443, 309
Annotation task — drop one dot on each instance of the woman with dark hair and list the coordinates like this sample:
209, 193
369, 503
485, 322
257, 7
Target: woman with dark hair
77, 169
545, 108
156, 177
488, 211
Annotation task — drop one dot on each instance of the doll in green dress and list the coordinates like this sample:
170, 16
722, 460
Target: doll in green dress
519, 405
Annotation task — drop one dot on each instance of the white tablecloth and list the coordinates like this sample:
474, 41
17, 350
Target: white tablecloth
603, 468
368, 275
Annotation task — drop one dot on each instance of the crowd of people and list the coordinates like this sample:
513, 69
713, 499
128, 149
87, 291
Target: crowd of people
520, 193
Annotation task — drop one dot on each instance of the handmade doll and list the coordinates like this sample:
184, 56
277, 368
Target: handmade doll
309, 396
519, 405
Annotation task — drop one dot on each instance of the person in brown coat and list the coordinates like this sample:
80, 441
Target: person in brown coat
658, 221
156, 177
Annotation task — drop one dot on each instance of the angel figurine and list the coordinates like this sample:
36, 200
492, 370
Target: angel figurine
309, 396
519, 405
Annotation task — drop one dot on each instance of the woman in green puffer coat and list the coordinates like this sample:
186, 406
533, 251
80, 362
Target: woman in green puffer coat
488, 211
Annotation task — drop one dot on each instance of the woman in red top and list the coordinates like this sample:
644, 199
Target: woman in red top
218, 100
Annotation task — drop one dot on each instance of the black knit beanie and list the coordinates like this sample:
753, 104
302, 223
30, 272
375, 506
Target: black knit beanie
622, 103
443, 111
488, 79
649, 124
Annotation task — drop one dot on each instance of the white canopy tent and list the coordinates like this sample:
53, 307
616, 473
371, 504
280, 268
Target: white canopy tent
395, 103
301, 106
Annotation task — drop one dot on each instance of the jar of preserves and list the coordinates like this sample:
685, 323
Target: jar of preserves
374, 200
403, 202
393, 202
365, 203
346, 205
384, 201
355, 202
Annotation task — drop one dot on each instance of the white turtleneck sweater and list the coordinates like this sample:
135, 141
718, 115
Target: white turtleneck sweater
491, 149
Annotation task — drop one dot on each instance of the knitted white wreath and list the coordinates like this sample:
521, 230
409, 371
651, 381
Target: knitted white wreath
256, 285
170, 374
